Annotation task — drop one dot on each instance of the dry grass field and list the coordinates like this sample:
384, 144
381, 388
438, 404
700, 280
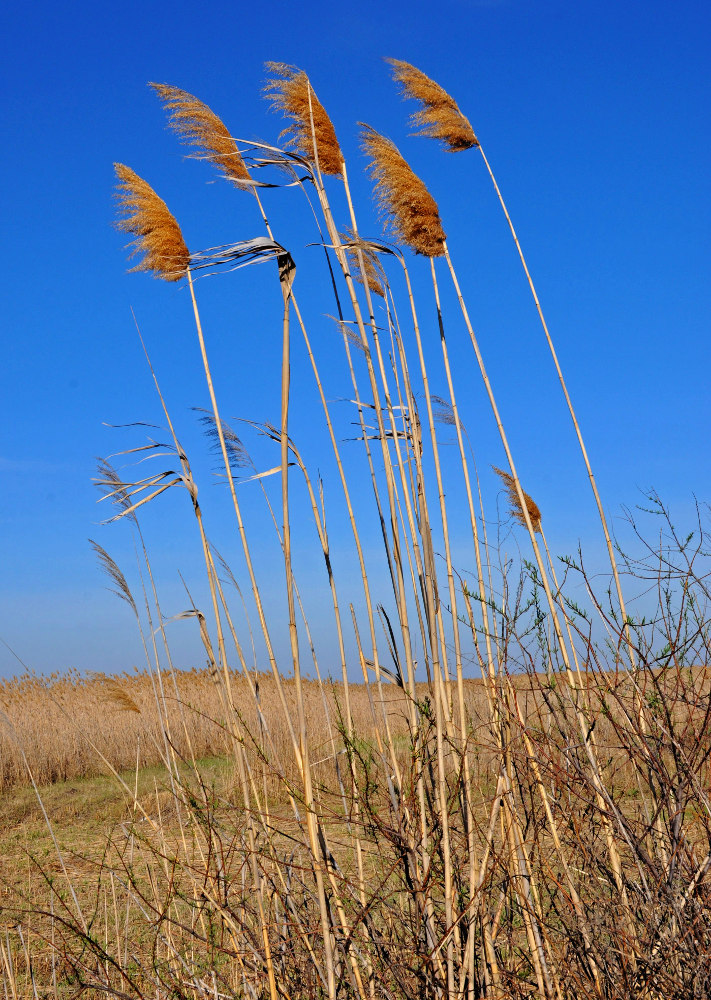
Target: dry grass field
81, 822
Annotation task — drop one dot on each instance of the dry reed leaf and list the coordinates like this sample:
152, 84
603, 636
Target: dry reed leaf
233, 256
110, 479
197, 125
402, 197
534, 512
148, 218
374, 274
439, 118
290, 92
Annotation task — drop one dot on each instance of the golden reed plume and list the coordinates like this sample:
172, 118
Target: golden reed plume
198, 126
291, 93
402, 197
534, 512
148, 218
119, 696
440, 118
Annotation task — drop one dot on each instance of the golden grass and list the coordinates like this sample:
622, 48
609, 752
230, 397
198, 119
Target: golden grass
107, 836
197, 125
148, 218
290, 92
62, 720
543, 834
439, 117
512, 496
402, 197
57, 719
88, 816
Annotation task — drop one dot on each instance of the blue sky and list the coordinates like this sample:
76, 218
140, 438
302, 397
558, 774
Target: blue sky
595, 119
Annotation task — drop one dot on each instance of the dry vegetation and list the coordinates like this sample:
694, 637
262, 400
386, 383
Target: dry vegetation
147, 813
119, 718
543, 830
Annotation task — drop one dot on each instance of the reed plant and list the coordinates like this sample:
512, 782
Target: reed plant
502, 793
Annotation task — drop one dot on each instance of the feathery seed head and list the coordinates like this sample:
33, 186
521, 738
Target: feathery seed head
148, 218
115, 487
291, 93
374, 274
444, 411
402, 197
119, 696
197, 125
534, 513
439, 117
353, 337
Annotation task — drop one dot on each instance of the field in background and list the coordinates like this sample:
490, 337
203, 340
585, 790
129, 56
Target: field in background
62, 721
66, 723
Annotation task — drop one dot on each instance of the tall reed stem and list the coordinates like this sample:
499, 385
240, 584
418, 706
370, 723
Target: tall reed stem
576, 425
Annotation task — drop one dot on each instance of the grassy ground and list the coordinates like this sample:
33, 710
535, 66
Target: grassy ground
83, 813
88, 817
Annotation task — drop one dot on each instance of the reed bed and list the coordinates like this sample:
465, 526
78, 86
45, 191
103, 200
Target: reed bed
118, 716
493, 788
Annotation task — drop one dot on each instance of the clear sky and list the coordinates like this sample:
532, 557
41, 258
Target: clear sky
595, 117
